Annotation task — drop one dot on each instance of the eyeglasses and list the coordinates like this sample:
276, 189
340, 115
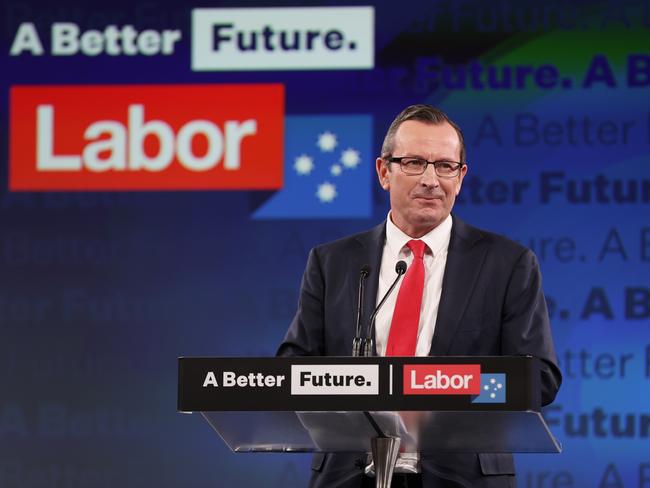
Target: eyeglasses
417, 166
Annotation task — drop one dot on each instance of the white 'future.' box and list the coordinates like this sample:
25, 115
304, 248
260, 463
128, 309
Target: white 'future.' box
335, 379
283, 38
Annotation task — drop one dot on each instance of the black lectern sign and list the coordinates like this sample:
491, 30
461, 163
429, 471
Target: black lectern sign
359, 384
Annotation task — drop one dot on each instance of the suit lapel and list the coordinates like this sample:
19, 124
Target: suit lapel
464, 261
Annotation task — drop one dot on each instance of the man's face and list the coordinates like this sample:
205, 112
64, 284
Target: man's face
420, 202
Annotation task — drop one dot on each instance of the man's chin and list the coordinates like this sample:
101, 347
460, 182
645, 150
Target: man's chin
427, 221
431, 215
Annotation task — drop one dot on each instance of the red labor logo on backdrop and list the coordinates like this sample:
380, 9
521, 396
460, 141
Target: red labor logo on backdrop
146, 137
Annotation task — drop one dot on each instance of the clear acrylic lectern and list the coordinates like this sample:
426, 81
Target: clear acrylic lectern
374, 405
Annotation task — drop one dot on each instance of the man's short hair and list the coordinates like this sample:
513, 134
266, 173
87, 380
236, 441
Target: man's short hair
423, 113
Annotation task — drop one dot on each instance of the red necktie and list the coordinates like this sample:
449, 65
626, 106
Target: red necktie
403, 336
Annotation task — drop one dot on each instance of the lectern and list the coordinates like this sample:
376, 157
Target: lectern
369, 404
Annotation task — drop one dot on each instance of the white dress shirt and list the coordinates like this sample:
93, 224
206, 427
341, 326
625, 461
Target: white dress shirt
435, 259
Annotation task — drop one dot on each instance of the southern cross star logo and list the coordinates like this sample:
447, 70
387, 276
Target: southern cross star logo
328, 169
493, 388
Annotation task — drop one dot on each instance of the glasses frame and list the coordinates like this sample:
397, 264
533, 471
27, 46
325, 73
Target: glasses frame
435, 164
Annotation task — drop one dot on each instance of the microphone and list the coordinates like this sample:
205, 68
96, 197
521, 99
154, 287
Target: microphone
357, 343
368, 342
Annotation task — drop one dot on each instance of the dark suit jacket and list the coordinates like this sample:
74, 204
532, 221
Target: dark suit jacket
492, 304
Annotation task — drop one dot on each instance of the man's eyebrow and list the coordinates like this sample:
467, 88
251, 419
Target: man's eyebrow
412, 155
415, 156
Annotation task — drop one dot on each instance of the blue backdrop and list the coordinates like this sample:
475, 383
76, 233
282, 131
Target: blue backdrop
102, 291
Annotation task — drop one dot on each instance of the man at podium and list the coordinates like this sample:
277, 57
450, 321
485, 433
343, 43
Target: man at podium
465, 291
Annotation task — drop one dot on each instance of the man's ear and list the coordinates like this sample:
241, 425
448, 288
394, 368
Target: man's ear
461, 176
382, 173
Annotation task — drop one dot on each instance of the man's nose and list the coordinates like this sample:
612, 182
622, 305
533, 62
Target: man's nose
429, 177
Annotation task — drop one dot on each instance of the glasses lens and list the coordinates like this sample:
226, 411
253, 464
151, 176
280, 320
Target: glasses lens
414, 166
446, 169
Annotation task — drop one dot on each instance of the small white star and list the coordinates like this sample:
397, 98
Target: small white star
499, 386
492, 395
335, 170
486, 387
350, 158
326, 192
303, 164
493, 381
327, 141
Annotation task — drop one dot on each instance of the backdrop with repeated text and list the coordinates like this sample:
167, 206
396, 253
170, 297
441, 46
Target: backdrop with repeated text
102, 291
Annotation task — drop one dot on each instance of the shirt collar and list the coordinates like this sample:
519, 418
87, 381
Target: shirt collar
437, 240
